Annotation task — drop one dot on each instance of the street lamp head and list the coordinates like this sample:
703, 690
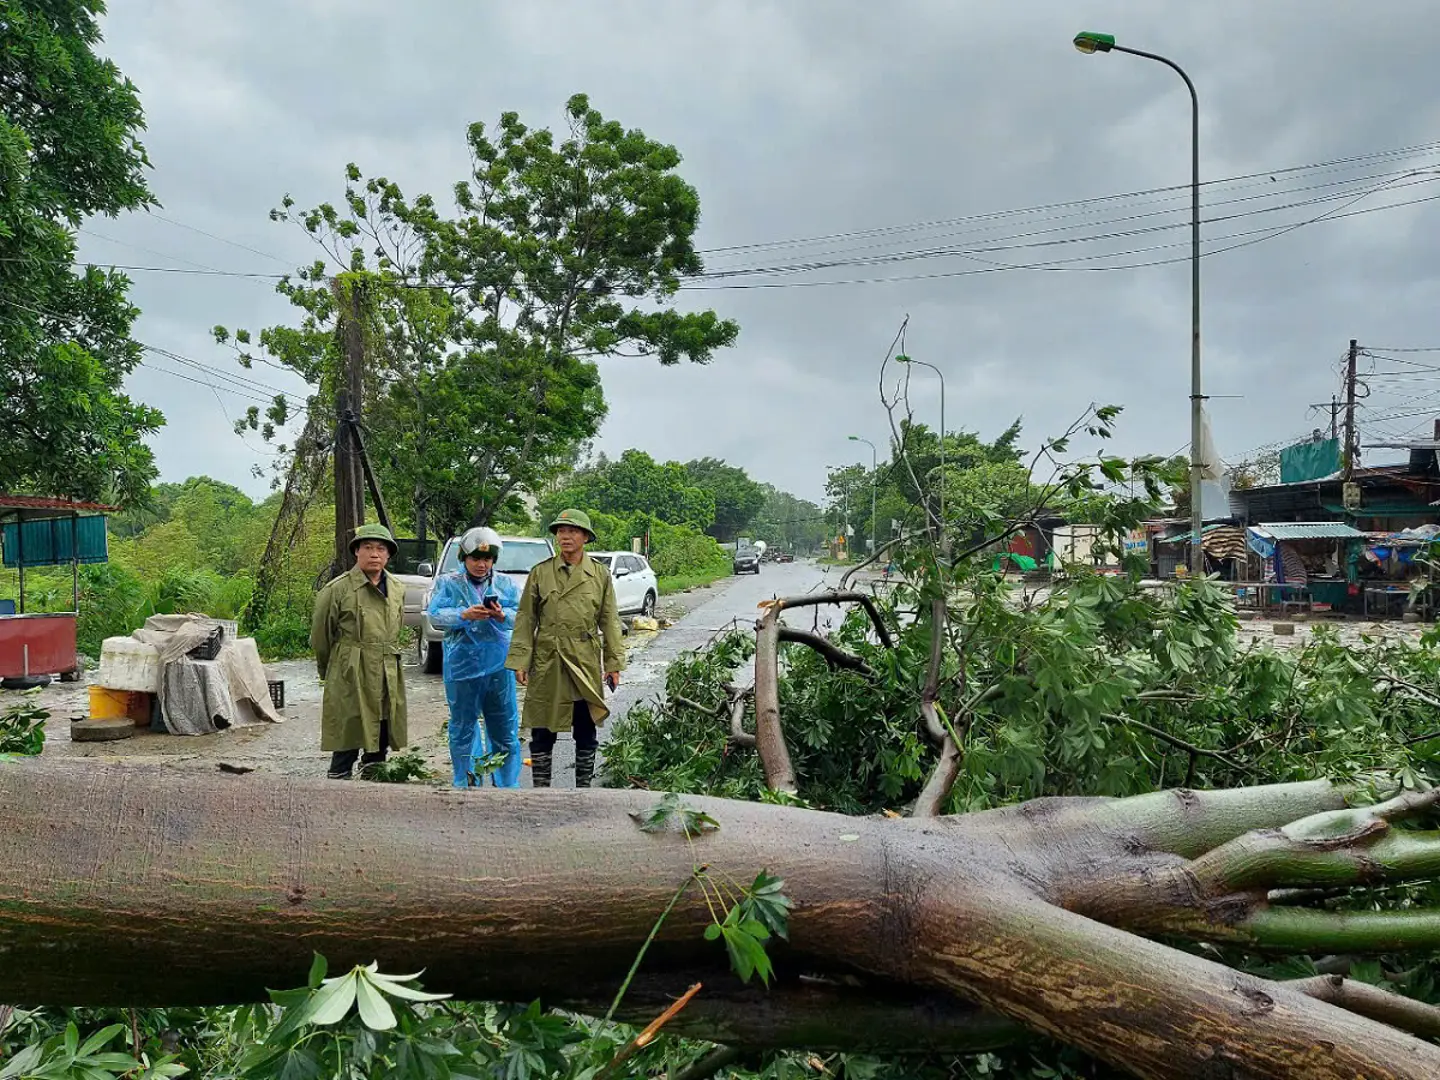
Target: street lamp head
1088, 41
853, 438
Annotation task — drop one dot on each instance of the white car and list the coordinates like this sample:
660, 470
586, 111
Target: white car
636, 589
517, 555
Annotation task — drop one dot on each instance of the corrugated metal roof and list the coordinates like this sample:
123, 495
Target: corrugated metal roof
37, 502
1309, 530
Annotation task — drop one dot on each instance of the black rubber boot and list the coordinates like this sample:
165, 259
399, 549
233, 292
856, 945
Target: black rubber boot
540, 770
584, 767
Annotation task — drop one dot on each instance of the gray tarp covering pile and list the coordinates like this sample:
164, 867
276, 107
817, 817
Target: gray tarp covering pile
201, 696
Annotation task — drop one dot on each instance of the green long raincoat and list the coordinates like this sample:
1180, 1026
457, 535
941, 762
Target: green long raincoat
355, 634
567, 635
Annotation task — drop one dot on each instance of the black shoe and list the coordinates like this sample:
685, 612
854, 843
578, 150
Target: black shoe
340, 775
584, 768
540, 769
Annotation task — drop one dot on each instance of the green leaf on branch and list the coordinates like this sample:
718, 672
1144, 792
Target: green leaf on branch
765, 902
670, 809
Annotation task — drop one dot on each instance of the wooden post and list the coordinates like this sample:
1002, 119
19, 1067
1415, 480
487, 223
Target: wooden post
349, 391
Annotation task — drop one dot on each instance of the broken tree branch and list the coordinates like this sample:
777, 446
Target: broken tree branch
838, 597
833, 655
646, 1036
1363, 999
940, 782
769, 735
1175, 740
734, 705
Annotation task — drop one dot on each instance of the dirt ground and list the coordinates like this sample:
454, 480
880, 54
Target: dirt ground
291, 748
1351, 631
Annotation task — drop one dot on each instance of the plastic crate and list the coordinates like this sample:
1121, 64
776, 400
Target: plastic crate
277, 692
209, 649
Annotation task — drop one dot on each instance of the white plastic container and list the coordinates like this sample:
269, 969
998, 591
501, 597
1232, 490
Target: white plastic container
127, 664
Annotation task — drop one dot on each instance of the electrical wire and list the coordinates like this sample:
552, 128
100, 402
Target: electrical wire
1420, 149
1055, 265
952, 250
200, 269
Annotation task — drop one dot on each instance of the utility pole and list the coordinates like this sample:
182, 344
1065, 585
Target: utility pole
1348, 460
349, 392
1334, 413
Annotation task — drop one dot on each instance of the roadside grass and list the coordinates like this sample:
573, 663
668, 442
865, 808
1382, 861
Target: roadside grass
681, 582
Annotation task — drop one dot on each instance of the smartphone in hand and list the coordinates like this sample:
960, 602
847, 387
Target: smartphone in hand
610, 682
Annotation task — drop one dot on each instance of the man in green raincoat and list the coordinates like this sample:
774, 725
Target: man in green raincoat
566, 649
356, 637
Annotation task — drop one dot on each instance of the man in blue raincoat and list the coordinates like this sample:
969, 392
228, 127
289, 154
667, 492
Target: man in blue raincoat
476, 608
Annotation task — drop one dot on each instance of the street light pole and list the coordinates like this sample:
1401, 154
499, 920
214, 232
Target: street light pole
874, 482
1088, 42
937, 371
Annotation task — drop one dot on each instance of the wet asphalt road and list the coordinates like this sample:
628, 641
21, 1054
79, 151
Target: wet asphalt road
738, 602
292, 748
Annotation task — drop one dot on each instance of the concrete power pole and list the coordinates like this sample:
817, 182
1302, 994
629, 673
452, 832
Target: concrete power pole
349, 392
1348, 459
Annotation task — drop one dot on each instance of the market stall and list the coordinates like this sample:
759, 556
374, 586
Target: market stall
1395, 572
42, 532
1309, 565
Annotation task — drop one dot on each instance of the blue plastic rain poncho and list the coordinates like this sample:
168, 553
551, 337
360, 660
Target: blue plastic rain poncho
476, 680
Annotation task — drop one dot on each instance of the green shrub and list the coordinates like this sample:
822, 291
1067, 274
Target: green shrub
283, 634
675, 550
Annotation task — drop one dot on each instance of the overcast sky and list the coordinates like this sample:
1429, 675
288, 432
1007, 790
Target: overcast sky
808, 119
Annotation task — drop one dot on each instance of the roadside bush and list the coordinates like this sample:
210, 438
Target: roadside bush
283, 635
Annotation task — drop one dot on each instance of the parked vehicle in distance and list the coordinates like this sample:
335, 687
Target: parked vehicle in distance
413, 567
784, 556
637, 590
747, 560
517, 555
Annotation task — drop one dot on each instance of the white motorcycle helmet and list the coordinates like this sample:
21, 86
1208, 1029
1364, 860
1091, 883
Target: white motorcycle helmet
482, 539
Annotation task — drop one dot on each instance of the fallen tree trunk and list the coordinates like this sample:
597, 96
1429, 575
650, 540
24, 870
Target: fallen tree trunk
147, 886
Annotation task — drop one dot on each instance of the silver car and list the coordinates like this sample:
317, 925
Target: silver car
517, 555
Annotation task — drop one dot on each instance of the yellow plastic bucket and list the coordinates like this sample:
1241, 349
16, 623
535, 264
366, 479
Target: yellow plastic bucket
107, 704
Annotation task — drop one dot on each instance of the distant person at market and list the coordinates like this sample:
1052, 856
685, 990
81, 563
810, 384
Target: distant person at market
475, 607
567, 649
356, 637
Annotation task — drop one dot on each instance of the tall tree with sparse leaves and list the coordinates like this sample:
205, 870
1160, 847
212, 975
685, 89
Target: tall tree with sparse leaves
69, 149
556, 254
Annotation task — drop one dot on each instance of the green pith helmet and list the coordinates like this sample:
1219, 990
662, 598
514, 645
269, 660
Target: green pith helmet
374, 532
578, 518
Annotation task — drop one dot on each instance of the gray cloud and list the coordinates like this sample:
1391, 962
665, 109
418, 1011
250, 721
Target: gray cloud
801, 120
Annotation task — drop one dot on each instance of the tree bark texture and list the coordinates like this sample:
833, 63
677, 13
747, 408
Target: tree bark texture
145, 885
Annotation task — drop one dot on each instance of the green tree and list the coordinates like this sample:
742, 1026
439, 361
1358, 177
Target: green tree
556, 254
795, 524
1258, 470
737, 498
68, 150
635, 483
849, 491
218, 515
